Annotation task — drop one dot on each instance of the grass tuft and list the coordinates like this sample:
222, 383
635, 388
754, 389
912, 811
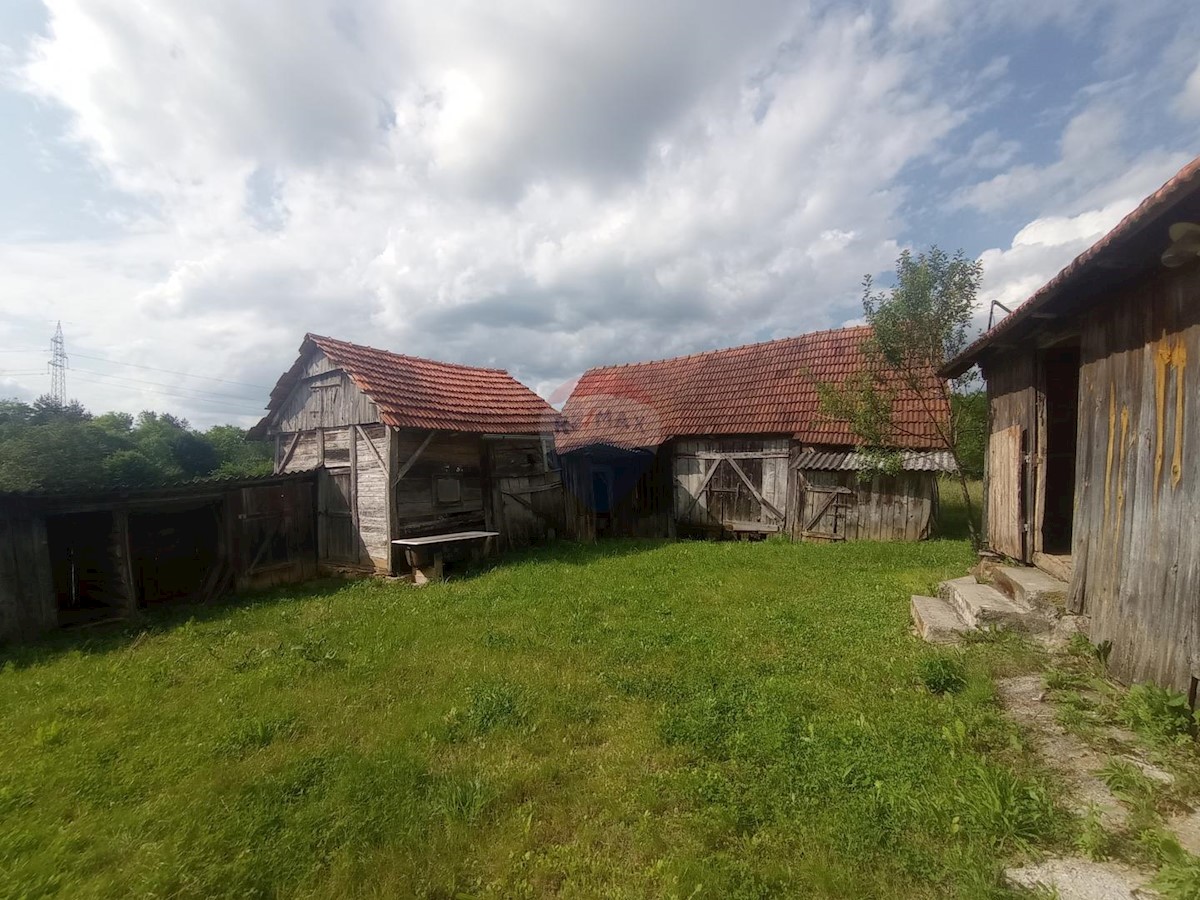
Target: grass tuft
942, 674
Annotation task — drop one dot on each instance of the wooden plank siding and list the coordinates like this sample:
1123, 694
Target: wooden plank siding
1136, 548
899, 507
27, 606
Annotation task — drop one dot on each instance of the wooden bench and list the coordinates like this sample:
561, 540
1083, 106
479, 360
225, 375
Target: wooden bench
425, 554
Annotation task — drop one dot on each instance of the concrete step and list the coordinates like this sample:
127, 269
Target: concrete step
1032, 587
936, 620
982, 606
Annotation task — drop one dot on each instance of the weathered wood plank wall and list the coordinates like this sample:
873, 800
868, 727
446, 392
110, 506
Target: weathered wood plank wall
525, 498
1137, 524
27, 606
899, 507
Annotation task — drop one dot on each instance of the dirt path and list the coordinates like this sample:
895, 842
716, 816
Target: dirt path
1077, 763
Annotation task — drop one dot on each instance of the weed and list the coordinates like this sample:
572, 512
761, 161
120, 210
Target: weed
1160, 846
1063, 680
1157, 713
489, 707
462, 799
256, 734
1093, 840
1125, 779
1079, 645
942, 674
1007, 811
1179, 880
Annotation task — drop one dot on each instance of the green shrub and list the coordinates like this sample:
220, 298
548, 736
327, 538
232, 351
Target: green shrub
942, 674
1157, 712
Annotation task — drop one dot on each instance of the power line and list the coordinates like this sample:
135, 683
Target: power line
221, 405
115, 362
168, 388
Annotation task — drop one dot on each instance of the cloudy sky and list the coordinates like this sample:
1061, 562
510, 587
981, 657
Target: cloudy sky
542, 185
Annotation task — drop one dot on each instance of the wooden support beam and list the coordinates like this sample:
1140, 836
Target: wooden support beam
371, 444
411, 461
287, 457
354, 493
700, 490
125, 548
735, 454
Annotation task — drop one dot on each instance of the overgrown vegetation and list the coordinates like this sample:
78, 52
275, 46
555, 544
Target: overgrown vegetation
629, 719
1154, 772
45, 446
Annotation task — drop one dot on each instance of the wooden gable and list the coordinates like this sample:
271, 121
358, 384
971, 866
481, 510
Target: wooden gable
324, 397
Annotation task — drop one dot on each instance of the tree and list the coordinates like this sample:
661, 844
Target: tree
238, 454
916, 326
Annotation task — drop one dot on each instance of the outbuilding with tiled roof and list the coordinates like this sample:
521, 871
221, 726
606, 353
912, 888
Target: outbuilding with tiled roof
410, 447
734, 441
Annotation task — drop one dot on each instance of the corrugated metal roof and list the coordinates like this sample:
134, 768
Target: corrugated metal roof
766, 388
853, 460
423, 393
1180, 186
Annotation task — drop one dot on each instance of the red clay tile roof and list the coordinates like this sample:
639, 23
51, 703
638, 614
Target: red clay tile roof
1116, 250
421, 393
757, 389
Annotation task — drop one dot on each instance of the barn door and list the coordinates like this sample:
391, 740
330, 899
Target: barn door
1005, 493
826, 512
530, 508
337, 538
732, 491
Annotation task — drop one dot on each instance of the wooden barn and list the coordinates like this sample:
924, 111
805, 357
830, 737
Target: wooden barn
70, 559
733, 442
1093, 435
408, 447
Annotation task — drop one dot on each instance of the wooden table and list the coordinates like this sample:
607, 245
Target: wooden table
424, 554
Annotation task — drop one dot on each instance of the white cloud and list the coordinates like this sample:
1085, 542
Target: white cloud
542, 186
579, 184
1041, 249
1188, 101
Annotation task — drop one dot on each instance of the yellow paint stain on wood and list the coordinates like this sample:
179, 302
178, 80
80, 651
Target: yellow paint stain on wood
1179, 363
1112, 433
1162, 359
1121, 467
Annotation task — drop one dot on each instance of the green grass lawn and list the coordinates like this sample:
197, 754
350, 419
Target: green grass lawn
629, 719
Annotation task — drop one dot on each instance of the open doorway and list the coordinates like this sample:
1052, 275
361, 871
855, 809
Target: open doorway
1060, 377
88, 580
